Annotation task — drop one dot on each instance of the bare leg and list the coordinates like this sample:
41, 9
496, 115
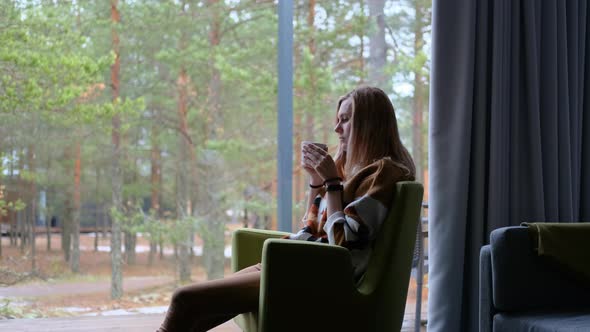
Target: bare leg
202, 306
214, 321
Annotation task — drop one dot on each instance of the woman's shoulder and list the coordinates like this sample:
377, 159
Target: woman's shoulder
379, 176
389, 168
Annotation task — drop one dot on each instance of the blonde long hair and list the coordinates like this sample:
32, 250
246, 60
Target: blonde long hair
374, 133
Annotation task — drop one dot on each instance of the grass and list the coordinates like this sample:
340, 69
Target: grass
10, 311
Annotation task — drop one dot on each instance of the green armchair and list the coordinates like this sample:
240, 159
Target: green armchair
308, 286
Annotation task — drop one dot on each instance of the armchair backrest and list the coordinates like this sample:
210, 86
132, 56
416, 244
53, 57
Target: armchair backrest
385, 283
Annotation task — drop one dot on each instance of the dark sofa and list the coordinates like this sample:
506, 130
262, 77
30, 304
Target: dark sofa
520, 291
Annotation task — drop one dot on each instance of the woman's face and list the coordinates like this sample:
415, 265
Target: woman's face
343, 122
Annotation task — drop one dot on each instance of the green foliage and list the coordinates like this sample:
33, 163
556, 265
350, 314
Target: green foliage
207, 231
10, 206
154, 228
179, 229
131, 218
56, 59
10, 311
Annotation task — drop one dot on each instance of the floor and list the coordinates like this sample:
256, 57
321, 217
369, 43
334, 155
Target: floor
131, 323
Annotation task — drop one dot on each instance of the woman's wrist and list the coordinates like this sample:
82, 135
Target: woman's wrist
316, 182
334, 188
333, 180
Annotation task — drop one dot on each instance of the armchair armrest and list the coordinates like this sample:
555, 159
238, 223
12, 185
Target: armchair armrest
296, 277
247, 246
486, 305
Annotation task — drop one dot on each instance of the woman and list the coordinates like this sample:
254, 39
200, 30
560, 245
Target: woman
348, 201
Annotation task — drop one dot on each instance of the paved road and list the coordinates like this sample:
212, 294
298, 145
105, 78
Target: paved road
81, 287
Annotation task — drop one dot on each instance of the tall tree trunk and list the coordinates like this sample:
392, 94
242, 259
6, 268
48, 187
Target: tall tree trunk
156, 180
104, 218
21, 229
75, 256
48, 232
361, 48
22, 220
98, 210
13, 228
377, 45
33, 234
49, 216
183, 197
153, 250
130, 242
214, 243
66, 242
13, 219
33, 208
156, 170
66, 229
184, 201
419, 95
116, 176
96, 228
130, 235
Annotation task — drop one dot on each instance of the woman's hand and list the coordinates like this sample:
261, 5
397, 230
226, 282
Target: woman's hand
314, 178
319, 161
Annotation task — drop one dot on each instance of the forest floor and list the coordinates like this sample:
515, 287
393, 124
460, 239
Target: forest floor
54, 291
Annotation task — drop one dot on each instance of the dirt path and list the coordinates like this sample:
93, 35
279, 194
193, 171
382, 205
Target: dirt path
69, 288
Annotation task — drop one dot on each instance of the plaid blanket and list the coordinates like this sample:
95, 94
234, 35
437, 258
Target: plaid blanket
367, 197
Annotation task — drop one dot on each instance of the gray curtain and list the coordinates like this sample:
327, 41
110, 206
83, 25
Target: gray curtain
509, 134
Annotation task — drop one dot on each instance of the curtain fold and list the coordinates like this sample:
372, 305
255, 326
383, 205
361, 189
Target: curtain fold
508, 136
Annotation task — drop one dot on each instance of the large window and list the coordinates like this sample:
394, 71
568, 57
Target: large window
150, 127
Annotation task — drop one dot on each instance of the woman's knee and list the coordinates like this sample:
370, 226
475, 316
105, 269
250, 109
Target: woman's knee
181, 296
193, 296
